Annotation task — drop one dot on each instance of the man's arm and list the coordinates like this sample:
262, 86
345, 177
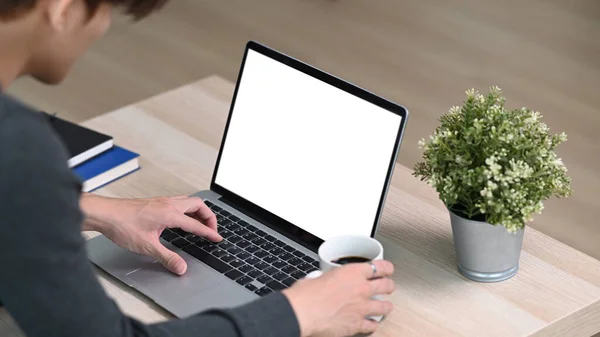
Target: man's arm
92, 206
47, 283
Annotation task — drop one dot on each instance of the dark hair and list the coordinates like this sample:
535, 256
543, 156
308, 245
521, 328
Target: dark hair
137, 9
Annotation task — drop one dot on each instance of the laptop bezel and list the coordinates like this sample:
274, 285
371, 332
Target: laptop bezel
262, 215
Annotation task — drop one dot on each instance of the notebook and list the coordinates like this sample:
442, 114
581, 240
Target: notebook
82, 143
106, 167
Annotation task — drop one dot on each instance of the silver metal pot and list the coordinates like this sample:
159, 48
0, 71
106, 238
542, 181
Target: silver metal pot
485, 253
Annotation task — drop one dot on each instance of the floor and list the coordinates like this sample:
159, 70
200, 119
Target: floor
545, 54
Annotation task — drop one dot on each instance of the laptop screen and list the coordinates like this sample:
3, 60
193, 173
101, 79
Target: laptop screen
306, 151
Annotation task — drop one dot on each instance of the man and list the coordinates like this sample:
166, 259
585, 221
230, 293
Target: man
46, 281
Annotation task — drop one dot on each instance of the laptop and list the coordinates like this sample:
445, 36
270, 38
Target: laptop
305, 156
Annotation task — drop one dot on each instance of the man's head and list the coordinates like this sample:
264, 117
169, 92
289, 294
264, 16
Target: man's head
55, 33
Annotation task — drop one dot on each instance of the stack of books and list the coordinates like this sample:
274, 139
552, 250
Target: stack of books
93, 156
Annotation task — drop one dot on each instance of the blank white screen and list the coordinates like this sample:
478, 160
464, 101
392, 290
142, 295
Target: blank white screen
306, 151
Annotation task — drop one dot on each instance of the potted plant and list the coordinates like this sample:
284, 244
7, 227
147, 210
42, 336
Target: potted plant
493, 168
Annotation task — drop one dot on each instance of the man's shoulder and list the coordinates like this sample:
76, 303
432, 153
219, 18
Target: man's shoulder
11, 107
26, 136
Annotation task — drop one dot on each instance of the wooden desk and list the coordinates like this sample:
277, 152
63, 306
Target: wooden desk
556, 292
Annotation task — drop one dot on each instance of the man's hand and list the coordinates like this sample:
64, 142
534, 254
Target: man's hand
337, 303
136, 224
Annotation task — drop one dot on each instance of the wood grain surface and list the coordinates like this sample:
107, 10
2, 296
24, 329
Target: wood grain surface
555, 293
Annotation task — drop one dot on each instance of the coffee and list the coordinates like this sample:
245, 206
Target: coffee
350, 259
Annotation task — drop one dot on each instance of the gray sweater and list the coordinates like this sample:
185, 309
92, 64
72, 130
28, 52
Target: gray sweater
46, 281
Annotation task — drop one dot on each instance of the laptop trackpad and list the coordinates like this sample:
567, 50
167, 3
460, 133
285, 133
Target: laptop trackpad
224, 295
162, 285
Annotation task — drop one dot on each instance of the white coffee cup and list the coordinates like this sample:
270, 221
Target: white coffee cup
346, 246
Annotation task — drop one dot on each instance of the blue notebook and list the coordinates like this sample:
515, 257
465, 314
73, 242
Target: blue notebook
106, 167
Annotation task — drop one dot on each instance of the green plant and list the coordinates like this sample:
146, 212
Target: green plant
492, 164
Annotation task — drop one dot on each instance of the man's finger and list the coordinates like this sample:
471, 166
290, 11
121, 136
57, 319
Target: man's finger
194, 226
196, 207
378, 308
382, 269
381, 286
367, 326
171, 260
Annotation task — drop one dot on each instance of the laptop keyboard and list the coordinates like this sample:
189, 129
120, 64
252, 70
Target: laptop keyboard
247, 255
